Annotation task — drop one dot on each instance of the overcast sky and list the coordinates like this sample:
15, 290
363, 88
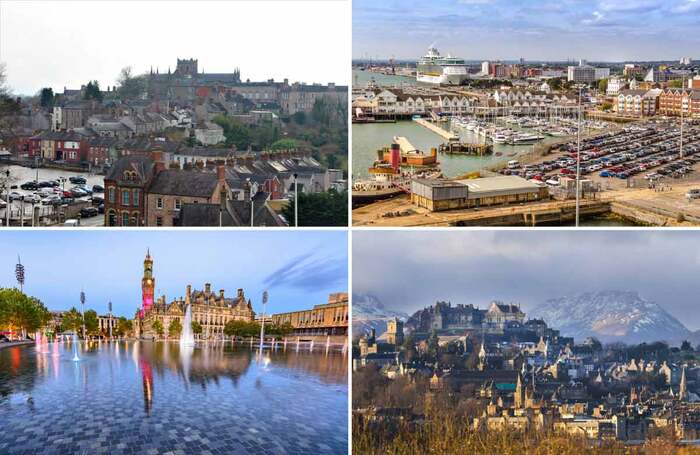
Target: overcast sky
67, 43
610, 30
409, 270
298, 268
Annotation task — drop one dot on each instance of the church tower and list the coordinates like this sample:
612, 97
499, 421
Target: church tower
148, 283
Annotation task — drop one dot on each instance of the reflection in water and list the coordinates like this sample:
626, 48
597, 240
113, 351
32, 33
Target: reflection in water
211, 387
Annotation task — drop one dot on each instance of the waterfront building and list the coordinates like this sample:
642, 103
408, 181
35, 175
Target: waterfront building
399, 102
328, 319
437, 195
104, 322
615, 85
674, 102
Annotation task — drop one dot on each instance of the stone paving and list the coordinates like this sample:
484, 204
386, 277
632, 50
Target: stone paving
101, 405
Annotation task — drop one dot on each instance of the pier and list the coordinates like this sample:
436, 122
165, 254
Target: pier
405, 144
436, 129
463, 148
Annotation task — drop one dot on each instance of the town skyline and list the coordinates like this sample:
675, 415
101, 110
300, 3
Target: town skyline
324, 270
505, 29
53, 44
526, 268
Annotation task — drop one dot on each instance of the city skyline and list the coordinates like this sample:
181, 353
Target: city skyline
529, 268
508, 30
62, 57
302, 268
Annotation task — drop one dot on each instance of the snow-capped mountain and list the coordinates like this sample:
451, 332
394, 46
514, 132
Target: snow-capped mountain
611, 316
369, 313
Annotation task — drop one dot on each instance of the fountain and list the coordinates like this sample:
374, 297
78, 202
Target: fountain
75, 348
328, 343
187, 337
56, 352
311, 346
285, 344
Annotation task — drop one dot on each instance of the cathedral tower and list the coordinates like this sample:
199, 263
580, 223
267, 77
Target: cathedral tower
148, 283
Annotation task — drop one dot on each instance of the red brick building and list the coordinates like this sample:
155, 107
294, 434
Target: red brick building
673, 101
125, 190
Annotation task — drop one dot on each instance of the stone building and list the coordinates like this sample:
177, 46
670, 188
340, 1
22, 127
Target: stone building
210, 309
328, 319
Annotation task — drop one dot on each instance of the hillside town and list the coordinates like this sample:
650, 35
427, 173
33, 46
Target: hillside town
501, 372
179, 147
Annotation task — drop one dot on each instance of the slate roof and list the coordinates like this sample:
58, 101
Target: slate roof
184, 183
143, 166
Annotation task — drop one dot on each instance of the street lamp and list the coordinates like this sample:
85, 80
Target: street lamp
262, 322
19, 274
7, 197
578, 159
109, 305
296, 203
82, 310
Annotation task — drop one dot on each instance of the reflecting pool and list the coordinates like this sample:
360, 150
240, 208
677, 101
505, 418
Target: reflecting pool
153, 397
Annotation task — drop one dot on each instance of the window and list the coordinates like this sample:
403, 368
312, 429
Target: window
136, 197
159, 221
125, 197
125, 219
112, 195
159, 203
178, 204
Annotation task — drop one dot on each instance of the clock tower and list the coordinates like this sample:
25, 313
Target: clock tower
148, 283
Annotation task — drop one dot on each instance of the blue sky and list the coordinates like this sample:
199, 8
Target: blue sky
299, 269
602, 30
528, 266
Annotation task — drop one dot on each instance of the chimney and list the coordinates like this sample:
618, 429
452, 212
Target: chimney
239, 293
246, 191
207, 287
221, 294
221, 173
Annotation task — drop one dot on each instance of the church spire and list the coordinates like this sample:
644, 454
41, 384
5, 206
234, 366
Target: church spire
683, 391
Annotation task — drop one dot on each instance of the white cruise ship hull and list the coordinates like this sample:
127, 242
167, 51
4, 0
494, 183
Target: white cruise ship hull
443, 79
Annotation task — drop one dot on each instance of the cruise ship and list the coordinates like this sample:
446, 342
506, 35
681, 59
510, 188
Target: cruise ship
433, 68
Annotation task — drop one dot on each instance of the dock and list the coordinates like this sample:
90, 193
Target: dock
406, 146
436, 129
462, 148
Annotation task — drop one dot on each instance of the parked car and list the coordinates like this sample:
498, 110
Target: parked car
29, 186
97, 200
32, 198
51, 200
101, 208
87, 212
693, 193
77, 180
97, 189
15, 196
72, 223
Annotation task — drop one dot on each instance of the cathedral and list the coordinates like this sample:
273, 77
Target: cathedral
210, 309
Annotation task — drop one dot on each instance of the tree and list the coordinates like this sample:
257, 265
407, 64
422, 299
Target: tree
91, 322
676, 83
158, 328
174, 328
284, 144
281, 330
92, 91
46, 97
603, 85
10, 108
319, 209
20, 312
131, 86
606, 106
72, 321
124, 326
299, 117
685, 346
241, 328
196, 328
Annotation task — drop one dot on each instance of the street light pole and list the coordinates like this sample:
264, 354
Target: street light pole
110, 320
578, 159
7, 197
296, 203
82, 310
262, 322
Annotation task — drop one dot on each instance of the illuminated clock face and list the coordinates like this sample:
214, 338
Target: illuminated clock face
148, 281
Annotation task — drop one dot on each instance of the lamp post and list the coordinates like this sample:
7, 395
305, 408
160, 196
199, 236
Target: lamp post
7, 197
19, 274
109, 305
262, 322
578, 159
82, 310
296, 203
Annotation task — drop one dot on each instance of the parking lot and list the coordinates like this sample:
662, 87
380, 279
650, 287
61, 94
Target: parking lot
643, 154
51, 192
